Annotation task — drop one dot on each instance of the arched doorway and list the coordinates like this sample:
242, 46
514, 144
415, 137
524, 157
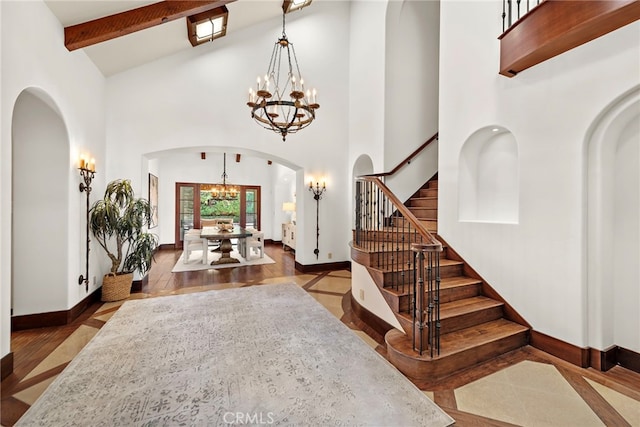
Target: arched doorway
40, 206
613, 228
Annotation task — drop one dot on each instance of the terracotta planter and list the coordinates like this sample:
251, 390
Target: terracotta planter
116, 287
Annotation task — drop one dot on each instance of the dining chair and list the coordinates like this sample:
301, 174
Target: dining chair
255, 243
192, 242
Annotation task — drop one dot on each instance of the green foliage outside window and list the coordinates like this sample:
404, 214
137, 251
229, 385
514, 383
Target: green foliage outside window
210, 208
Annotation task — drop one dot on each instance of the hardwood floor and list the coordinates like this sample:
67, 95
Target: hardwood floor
523, 387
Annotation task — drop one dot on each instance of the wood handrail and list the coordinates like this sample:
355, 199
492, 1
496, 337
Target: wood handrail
431, 244
407, 160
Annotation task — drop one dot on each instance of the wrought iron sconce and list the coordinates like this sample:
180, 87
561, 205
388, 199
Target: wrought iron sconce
317, 195
87, 172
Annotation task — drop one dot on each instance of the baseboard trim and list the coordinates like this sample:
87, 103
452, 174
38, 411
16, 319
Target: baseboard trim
628, 359
573, 354
603, 360
587, 357
314, 268
368, 318
137, 285
6, 366
54, 318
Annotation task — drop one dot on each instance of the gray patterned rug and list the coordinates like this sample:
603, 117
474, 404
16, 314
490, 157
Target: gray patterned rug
260, 355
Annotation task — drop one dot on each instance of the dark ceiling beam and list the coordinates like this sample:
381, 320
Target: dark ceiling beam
121, 24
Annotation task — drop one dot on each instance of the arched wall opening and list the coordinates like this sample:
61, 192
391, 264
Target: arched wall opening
362, 166
40, 205
613, 225
488, 177
280, 181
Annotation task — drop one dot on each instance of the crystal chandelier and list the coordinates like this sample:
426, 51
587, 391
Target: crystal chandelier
281, 102
224, 191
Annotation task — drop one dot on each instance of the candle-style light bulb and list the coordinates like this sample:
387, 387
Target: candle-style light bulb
315, 92
258, 80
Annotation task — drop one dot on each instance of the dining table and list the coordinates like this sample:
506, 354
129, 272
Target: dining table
225, 236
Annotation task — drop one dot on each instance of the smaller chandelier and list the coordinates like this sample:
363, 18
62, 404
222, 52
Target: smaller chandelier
281, 102
224, 191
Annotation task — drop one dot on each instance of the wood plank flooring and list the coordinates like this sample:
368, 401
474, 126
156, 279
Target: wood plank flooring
611, 398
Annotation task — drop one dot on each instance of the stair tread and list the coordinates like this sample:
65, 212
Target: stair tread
461, 307
444, 262
468, 338
466, 305
445, 283
452, 282
465, 339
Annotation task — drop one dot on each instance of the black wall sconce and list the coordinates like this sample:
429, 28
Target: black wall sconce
317, 195
87, 172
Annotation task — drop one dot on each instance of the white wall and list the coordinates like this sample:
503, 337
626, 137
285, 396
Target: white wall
367, 81
539, 264
197, 98
38, 59
411, 77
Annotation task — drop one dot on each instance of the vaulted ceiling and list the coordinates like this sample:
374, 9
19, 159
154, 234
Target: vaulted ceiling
134, 49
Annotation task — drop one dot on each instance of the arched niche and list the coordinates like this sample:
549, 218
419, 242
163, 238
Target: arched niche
488, 177
40, 205
613, 224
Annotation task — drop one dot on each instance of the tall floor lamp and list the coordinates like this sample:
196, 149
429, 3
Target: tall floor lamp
87, 172
317, 195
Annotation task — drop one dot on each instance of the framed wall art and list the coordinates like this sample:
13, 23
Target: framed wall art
153, 200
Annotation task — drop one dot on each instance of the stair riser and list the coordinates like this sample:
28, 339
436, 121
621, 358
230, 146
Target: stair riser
438, 369
386, 236
468, 320
423, 203
401, 261
428, 192
446, 295
432, 226
424, 212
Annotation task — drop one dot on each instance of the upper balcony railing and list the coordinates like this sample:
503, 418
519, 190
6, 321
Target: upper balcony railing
513, 10
537, 32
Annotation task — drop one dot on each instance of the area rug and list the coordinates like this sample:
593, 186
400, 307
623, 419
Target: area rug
258, 355
195, 264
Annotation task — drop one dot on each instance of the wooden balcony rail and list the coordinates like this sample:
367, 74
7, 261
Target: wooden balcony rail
556, 26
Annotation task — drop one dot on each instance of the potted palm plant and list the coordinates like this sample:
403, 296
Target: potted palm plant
118, 221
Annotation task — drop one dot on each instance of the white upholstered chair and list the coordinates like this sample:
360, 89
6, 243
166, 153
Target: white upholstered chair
255, 243
192, 241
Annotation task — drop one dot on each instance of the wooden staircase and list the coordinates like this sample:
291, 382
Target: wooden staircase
474, 327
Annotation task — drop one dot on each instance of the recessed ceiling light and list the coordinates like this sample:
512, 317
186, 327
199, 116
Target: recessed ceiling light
495, 130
